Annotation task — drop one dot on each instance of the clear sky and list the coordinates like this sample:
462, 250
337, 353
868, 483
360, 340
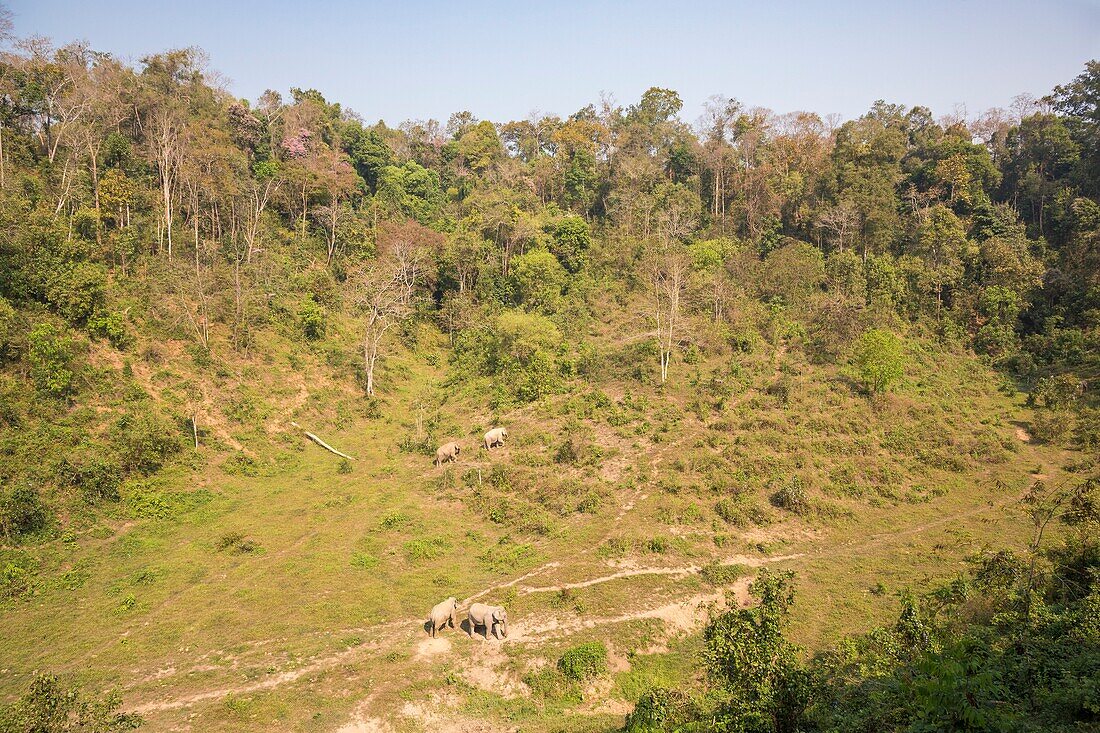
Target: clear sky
504, 60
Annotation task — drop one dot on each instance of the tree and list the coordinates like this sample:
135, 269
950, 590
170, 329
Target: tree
337, 181
260, 187
941, 244
1079, 101
383, 289
667, 266
841, 220
880, 359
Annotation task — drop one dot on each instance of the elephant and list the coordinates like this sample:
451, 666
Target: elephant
442, 614
493, 618
495, 437
447, 452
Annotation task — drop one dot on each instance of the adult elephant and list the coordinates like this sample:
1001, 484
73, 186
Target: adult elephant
493, 618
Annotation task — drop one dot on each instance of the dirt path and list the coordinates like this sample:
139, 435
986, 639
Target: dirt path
752, 562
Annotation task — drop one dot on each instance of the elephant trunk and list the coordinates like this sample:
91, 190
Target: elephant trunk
503, 629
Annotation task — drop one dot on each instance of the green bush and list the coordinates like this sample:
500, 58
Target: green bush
1056, 392
313, 319
741, 511
111, 326
716, 573
52, 707
426, 548
7, 326
570, 240
237, 543
50, 354
22, 512
144, 441
1051, 426
17, 579
77, 292
584, 661
97, 476
662, 710
550, 684
792, 496
880, 358
538, 280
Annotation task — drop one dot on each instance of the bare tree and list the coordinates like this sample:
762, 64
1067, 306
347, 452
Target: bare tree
259, 189
383, 289
166, 146
668, 267
841, 220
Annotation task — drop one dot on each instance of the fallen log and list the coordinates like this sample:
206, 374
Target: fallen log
321, 443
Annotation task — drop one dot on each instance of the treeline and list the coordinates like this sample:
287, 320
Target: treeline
988, 227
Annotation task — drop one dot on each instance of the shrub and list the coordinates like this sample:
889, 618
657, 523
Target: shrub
426, 548
567, 452
312, 317
538, 280
7, 325
584, 661
236, 542
1055, 392
1051, 426
51, 707
716, 573
16, 581
549, 683
50, 353
661, 709
145, 441
97, 476
780, 390
792, 496
363, 560
394, 520
740, 512
76, 293
22, 512
880, 359
505, 556
570, 240
111, 326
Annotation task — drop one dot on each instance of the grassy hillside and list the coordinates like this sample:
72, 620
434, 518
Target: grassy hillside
260, 579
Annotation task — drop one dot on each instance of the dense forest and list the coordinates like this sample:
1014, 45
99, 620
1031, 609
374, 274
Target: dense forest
141, 205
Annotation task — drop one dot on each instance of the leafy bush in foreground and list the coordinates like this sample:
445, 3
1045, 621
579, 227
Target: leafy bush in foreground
52, 707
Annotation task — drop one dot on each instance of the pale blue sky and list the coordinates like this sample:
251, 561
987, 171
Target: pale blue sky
502, 60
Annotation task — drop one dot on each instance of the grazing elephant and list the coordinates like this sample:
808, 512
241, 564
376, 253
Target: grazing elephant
442, 614
495, 437
447, 452
493, 618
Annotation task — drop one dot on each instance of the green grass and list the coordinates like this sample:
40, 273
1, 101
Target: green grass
225, 571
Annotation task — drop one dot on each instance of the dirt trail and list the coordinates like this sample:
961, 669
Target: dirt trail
753, 562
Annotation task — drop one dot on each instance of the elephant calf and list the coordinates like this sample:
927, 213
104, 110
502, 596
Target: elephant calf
495, 437
442, 614
493, 618
447, 452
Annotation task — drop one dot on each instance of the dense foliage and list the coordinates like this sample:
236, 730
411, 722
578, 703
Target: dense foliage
1014, 645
